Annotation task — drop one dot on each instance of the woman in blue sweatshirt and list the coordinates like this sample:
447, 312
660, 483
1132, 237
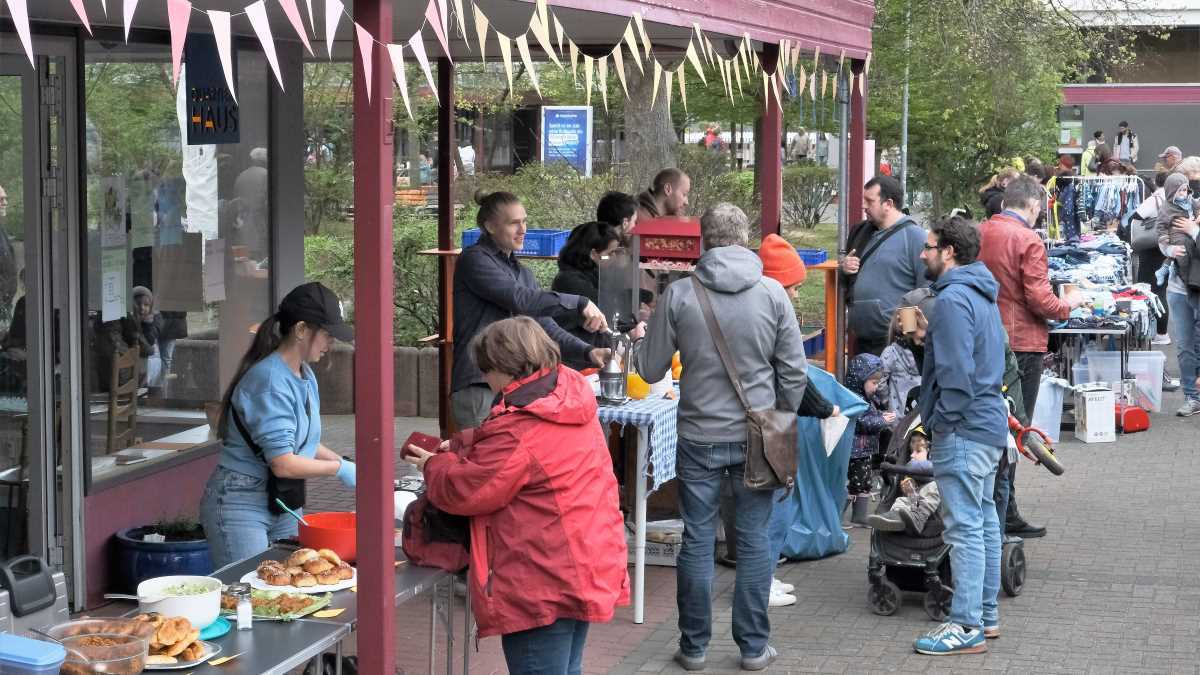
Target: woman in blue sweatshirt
270, 426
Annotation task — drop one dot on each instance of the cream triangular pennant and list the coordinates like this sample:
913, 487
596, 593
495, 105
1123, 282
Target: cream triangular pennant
396, 52
737, 72
631, 42
523, 48
619, 66
417, 44
816, 58
683, 86
781, 60
311, 22
824, 82
861, 77
442, 17
541, 33
256, 13
713, 56
461, 19
431, 18
543, 12
812, 85
867, 65
481, 29
834, 83
103, 7
602, 76
587, 79
841, 60
657, 80
179, 14
802, 82
775, 87
293, 16
641, 27
506, 56
766, 90
667, 90
724, 75
560, 34
695, 61
129, 7
574, 49
699, 38
221, 33
365, 47
81, 12
333, 15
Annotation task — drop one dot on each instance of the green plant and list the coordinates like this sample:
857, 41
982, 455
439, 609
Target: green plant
555, 196
713, 182
180, 527
807, 192
328, 191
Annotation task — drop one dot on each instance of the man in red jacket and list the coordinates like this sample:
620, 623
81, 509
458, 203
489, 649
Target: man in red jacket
1015, 255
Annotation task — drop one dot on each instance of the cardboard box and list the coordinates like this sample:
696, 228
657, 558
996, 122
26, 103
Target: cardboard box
1095, 421
663, 541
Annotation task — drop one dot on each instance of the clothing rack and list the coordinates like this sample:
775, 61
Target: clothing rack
1071, 194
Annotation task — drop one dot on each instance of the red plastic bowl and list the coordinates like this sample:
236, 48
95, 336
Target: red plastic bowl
335, 530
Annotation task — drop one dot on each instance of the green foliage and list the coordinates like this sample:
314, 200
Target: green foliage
555, 196
808, 190
713, 182
328, 190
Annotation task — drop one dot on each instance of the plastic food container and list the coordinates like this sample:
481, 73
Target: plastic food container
25, 656
334, 530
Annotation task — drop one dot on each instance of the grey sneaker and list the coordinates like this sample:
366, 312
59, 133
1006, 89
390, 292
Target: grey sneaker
761, 661
689, 662
1190, 407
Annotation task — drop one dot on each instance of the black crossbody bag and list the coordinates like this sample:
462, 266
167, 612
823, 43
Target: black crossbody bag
290, 491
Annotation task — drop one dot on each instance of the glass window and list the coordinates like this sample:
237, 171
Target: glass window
177, 243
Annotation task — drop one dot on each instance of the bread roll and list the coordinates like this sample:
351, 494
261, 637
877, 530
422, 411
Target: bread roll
330, 556
318, 566
161, 660
345, 572
295, 570
328, 577
279, 579
303, 580
301, 556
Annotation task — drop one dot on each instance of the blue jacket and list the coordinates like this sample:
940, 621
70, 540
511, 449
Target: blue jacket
963, 373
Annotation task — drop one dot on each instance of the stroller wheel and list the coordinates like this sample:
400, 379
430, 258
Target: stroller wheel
1012, 569
884, 598
937, 603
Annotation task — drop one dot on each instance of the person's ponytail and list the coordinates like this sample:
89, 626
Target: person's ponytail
267, 339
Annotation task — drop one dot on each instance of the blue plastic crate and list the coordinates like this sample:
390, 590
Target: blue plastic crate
813, 256
545, 243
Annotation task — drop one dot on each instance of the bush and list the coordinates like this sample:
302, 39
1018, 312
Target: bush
555, 196
713, 182
328, 191
807, 191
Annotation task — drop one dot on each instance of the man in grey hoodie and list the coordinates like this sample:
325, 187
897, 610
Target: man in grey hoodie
764, 341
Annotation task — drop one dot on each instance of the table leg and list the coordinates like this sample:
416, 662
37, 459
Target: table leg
450, 627
639, 542
467, 632
433, 621
337, 669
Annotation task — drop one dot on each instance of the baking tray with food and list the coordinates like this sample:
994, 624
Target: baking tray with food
305, 570
277, 605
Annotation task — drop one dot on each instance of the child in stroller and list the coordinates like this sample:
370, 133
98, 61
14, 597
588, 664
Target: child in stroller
910, 512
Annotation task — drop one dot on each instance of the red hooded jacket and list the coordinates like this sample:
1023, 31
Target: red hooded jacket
547, 535
1015, 255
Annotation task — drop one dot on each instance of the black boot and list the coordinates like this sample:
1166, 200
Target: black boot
860, 509
1017, 526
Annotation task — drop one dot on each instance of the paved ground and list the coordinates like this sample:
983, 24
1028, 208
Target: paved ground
1111, 589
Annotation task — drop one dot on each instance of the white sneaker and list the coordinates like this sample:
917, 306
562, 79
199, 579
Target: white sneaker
1163, 339
1190, 407
1171, 384
778, 586
781, 600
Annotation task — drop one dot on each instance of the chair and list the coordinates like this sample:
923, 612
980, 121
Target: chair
123, 400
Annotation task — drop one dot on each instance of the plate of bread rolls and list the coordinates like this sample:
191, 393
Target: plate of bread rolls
306, 570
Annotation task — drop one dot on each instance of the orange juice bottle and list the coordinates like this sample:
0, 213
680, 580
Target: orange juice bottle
676, 367
636, 387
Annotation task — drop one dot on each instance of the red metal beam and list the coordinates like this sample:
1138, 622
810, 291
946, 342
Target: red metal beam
770, 173
858, 134
373, 390
445, 160
1143, 94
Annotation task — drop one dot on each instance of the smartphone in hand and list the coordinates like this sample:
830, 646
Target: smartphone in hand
423, 441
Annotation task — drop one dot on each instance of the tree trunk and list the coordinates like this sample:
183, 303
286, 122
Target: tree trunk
649, 145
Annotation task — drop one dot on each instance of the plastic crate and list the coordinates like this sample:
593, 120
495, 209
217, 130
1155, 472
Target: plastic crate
813, 256
546, 243
1145, 367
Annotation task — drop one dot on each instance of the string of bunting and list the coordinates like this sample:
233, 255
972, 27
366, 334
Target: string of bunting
790, 75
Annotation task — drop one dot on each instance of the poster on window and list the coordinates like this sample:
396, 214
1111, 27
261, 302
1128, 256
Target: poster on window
214, 270
141, 210
1070, 136
112, 212
567, 136
113, 284
179, 275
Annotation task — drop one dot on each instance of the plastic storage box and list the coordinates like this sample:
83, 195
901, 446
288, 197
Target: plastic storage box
813, 256
1145, 367
24, 656
545, 243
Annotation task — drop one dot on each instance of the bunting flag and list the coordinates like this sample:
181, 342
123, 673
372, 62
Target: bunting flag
333, 14
816, 58
700, 40
221, 32
293, 17
841, 60
523, 47
256, 12
775, 88
365, 44
724, 68
481, 30
766, 91
417, 44
542, 10
713, 56
737, 73
179, 13
619, 66
103, 7
812, 85
602, 76
574, 49
802, 81
431, 17
128, 9
824, 82
541, 33
311, 22
785, 50
657, 77
631, 42
683, 86
442, 16
506, 56
20, 19
461, 19
396, 52
81, 12
867, 65
587, 79
861, 76
560, 33
667, 94
695, 61
641, 27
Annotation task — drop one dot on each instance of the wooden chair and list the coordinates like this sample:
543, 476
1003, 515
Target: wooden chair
123, 400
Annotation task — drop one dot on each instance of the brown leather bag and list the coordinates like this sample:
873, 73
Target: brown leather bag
770, 433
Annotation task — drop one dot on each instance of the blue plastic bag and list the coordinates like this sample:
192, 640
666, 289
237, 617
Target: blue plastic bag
808, 524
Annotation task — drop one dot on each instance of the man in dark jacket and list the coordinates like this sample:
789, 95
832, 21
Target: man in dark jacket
963, 406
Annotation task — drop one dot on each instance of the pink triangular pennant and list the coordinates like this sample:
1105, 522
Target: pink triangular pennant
293, 17
443, 15
397, 54
431, 16
220, 26
256, 12
20, 18
417, 45
333, 14
81, 12
365, 41
179, 13
129, 8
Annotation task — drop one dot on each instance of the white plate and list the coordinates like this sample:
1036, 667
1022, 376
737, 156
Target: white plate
252, 579
210, 650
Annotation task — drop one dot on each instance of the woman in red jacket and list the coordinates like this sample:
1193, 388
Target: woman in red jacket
547, 537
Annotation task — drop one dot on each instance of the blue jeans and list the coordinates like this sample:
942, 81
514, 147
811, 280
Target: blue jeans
1183, 326
965, 472
701, 467
556, 649
236, 520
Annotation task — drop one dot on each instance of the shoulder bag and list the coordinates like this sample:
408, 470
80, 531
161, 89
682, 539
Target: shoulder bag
770, 433
1143, 232
862, 259
290, 491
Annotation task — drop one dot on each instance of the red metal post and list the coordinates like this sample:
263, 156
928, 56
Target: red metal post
770, 174
445, 160
858, 134
373, 377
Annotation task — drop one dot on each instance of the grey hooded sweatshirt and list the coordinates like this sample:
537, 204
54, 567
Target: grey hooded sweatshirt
760, 326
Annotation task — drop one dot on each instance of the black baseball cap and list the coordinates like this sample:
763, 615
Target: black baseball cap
316, 305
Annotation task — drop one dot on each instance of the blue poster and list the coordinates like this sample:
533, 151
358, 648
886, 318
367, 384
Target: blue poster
567, 136
212, 112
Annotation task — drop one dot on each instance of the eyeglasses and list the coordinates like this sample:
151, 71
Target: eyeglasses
935, 247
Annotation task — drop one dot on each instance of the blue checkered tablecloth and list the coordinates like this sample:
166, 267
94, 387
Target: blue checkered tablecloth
656, 416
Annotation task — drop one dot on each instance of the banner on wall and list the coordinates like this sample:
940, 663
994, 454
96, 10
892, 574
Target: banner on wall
567, 136
212, 111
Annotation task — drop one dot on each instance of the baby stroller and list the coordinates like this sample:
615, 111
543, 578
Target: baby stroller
903, 561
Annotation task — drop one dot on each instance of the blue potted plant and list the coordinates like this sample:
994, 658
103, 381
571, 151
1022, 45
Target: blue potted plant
169, 546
